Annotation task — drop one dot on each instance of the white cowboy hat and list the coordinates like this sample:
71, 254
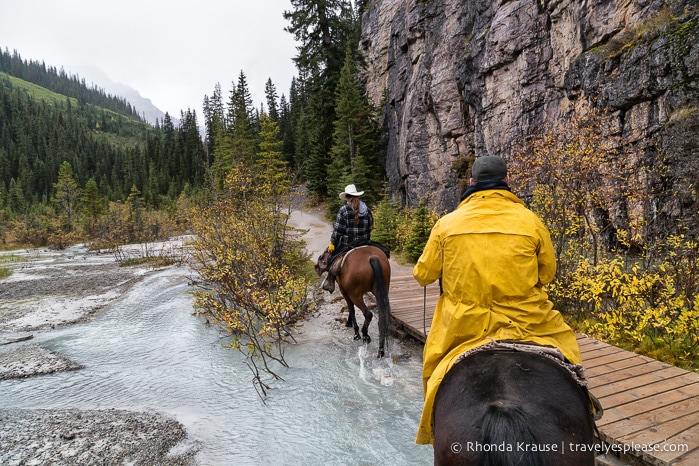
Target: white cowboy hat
350, 190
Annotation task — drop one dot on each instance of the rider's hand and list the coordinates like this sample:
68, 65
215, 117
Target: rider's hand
331, 248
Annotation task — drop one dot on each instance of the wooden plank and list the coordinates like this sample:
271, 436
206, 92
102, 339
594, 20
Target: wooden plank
606, 385
687, 437
655, 419
612, 367
585, 342
661, 400
630, 395
690, 458
598, 351
608, 359
660, 435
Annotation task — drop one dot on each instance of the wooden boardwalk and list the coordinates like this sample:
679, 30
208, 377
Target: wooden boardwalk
650, 407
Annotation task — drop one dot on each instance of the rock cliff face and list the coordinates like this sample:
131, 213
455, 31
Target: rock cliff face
461, 78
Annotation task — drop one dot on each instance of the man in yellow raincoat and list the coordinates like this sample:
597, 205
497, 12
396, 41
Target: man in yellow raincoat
494, 257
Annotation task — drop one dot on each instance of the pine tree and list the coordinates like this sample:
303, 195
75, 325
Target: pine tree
135, 220
66, 196
354, 137
323, 29
214, 114
272, 168
221, 153
386, 221
286, 131
273, 182
420, 228
241, 122
271, 97
93, 204
16, 202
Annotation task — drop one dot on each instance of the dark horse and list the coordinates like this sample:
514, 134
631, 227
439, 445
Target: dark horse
358, 271
505, 407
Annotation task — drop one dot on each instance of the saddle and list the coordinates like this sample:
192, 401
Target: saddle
576, 371
338, 260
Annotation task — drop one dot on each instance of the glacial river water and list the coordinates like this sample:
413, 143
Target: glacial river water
338, 404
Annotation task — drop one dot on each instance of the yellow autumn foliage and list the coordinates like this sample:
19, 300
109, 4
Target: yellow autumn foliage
250, 263
619, 285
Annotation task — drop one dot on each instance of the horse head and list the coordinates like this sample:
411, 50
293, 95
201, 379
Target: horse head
323, 262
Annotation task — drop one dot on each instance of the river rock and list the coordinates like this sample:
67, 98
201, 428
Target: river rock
30, 360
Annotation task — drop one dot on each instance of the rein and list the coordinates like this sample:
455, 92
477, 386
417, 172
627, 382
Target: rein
424, 311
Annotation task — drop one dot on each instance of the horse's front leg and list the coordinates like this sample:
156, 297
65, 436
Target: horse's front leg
351, 318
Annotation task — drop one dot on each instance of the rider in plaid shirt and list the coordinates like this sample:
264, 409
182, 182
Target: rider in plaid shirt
352, 227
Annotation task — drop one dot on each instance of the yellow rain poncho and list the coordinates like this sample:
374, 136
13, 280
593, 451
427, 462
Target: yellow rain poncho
494, 256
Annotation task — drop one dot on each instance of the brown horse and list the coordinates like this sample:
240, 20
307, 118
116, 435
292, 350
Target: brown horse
358, 271
505, 408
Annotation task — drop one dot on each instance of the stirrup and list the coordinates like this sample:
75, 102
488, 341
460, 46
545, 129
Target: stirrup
598, 410
328, 285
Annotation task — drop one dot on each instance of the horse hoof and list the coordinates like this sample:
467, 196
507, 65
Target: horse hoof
381, 354
367, 339
357, 337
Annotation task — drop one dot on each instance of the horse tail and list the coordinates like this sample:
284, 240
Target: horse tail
504, 428
382, 303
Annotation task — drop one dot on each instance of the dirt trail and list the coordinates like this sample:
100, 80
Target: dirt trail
318, 234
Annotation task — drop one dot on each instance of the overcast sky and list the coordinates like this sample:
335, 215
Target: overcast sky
171, 51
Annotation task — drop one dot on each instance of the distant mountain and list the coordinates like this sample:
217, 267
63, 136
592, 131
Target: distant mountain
143, 105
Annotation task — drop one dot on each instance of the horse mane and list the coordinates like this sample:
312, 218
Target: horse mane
506, 424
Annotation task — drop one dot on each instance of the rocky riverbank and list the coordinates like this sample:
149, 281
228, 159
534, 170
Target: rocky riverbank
46, 290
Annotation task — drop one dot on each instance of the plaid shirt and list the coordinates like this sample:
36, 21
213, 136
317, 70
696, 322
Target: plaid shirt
345, 231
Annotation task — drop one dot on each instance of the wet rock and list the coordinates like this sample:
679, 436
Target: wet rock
69, 437
30, 360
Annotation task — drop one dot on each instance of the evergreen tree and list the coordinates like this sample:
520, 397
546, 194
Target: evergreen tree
269, 162
273, 181
323, 29
221, 153
191, 158
241, 122
286, 131
420, 227
66, 196
214, 114
16, 202
354, 137
386, 221
93, 204
272, 99
135, 220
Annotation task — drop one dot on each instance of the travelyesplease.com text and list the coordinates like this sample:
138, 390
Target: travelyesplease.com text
598, 448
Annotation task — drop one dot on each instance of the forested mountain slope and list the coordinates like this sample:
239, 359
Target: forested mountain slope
55, 118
